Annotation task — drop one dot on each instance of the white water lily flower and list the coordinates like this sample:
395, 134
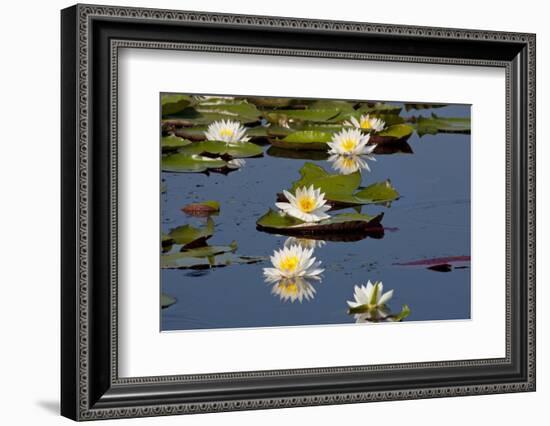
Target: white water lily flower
226, 131
347, 164
306, 243
307, 204
350, 142
294, 289
291, 262
366, 122
372, 299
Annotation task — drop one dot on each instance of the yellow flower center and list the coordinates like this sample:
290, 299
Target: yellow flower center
289, 263
290, 287
349, 144
306, 204
348, 163
226, 132
365, 124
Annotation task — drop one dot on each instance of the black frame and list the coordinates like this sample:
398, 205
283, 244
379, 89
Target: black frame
91, 37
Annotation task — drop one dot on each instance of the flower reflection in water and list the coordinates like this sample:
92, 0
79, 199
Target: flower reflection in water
294, 269
347, 164
293, 289
370, 304
305, 243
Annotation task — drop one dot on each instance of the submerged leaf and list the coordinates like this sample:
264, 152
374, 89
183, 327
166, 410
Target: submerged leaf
181, 261
166, 300
202, 208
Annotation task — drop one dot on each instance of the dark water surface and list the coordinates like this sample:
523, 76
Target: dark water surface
430, 220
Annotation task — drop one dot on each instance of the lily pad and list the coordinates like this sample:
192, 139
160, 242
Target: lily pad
171, 142
166, 300
208, 251
172, 104
379, 108
181, 261
344, 223
305, 139
290, 115
409, 107
188, 235
236, 110
380, 192
225, 149
203, 208
397, 132
190, 163
344, 189
300, 154
435, 124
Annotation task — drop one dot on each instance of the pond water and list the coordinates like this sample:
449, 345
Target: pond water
431, 219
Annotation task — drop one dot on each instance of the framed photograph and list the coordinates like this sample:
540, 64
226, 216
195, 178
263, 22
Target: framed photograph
263, 212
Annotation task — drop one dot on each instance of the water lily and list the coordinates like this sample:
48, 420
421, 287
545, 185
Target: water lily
370, 302
347, 164
350, 142
306, 243
293, 289
366, 122
307, 204
292, 262
226, 131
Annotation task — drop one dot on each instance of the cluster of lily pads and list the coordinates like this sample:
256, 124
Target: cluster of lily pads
205, 134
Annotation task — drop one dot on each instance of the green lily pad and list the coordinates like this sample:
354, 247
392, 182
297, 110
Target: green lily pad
208, 251
268, 102
166, 300
236, 110
409, 107
202, 208
181, 261
435, 124
305, 139
233, 149
397, 132
380, 192
344, 223
171, 142
186, 163
379, 108
341, 106
188, 235
344, 189
299, 154
315, 115
172, 104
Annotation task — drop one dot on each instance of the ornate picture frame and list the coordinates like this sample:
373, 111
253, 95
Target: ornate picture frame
91, 39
